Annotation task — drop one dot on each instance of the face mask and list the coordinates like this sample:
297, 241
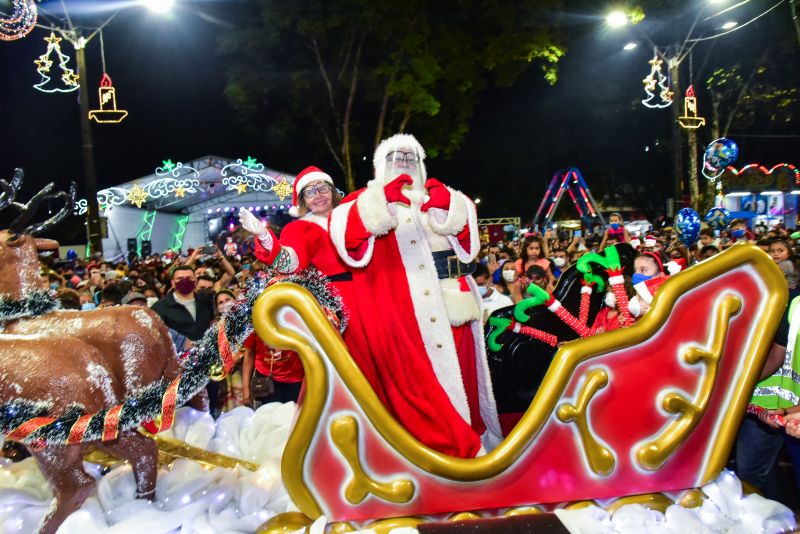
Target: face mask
482, 290
225, 307
611, 300
614, 226
88, 306
151, 301
559, 262
185, 286
509, 276
639, 277
54, 286
737, 233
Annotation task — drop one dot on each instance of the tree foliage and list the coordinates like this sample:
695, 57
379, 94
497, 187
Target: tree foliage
348, 73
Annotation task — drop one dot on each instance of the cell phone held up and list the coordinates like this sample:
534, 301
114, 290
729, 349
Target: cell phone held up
208, 250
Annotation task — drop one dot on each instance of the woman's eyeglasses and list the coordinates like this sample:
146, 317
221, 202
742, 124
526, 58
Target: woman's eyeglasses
312, 190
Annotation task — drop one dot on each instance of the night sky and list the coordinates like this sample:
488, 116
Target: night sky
169, 77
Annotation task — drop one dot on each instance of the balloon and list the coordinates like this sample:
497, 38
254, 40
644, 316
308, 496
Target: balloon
687, 224
718, 218
719, 154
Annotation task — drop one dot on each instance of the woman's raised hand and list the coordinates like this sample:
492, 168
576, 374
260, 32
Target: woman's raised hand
251, 223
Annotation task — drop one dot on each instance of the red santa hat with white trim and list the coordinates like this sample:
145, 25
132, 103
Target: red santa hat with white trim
647, 289
306, 176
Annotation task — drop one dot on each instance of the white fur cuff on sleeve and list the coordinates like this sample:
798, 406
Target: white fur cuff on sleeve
374, 210
456, 216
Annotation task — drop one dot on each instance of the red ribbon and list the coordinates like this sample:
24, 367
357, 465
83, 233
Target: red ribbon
79, 429
111, 423
28, 427
168, 405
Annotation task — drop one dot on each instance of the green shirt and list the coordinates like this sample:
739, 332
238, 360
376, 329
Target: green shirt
782, 389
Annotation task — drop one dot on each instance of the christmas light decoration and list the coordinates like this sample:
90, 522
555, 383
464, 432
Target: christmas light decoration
689, 119
21, 21
137, 196
765, 171
180, 231
43, 65
241, 176
108, 112
656, 79
147, 229
283, 189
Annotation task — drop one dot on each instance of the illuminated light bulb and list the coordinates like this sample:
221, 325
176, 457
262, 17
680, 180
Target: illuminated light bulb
629, 46
158, 6
730, 25
617, 19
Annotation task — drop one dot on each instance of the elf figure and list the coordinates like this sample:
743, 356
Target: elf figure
408, 239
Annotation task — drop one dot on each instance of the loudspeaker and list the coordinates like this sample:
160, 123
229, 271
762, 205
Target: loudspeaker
132, 245
147, 247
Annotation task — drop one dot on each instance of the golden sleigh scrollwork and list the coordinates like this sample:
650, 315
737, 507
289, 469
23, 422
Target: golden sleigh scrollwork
322, 342
344, 433
652, 454
601, 460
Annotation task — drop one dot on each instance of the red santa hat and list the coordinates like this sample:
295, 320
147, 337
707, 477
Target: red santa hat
676, 265
650, 241
648, 288
306, 176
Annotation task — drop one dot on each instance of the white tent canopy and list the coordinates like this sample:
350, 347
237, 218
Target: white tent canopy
172, 207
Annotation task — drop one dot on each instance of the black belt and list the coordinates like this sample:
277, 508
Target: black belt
341, 277
448, 265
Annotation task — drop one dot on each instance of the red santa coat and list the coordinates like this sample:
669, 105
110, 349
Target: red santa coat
424, 333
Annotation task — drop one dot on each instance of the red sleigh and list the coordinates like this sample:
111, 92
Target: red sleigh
646, 409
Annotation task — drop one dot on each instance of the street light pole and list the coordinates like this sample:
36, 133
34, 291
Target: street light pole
90, 174
677, 137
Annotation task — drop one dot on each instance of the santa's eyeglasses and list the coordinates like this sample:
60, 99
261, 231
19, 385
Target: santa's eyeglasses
408, 157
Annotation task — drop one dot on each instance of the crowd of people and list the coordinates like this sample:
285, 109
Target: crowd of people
355, 240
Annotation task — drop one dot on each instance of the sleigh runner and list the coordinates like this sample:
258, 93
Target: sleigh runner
650, 408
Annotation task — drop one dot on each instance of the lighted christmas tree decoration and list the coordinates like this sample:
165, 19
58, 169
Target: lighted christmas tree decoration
108, 112
69, 79
20, 22
689, 119
656, 81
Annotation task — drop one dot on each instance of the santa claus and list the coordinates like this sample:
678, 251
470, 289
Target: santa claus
408, 240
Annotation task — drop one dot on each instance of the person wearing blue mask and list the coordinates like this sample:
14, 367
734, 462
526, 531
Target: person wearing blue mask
616, 232
739, 231
646, 266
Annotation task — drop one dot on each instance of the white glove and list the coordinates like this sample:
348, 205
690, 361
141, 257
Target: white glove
251, 223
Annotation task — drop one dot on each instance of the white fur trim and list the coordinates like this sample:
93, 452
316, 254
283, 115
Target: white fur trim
554, 307
634, 307
453, 220
516, 328
635, 243
374, 209
338, 231
430, 309
316, 219
294, 211
673, 267
586, 289
461, 305
467, 255
649, 242
643, 292
616, 280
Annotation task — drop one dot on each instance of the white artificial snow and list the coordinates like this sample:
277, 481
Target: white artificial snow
132, 356
99, 377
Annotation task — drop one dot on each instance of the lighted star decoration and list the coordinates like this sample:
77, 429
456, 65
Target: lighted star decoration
53, 39
70, 78
180, 192
137, 196
42, 64
250, 162
241, 188
167, 165
283, 189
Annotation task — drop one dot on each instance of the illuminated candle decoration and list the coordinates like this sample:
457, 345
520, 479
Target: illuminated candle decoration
20, 22
108, 112
69, 79
689, 119
656, 80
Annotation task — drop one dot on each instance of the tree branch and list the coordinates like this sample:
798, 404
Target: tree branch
325, 79
382, 114
346, 123
328, 142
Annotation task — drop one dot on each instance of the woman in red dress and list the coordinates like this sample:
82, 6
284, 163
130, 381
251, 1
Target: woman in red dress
306, 242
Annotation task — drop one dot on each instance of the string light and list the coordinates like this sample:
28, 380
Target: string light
282, 189
108, 112
21, 21
690, 119
137, 196
69, 78
656, 79
180, 232
757, 167
241, 176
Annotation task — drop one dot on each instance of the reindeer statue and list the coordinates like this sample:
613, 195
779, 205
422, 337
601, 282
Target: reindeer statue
82, 363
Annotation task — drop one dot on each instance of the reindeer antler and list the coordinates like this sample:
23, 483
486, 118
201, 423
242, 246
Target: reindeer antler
10, 190
27, 210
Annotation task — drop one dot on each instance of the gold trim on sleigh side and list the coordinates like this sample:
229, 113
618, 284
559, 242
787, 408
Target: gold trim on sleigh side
552, 388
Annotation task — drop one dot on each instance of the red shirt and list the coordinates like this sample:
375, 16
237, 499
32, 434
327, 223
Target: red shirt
604, 323
283, 365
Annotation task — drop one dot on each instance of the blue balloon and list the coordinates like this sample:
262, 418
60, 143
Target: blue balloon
719, 154
718, 218
687, 225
